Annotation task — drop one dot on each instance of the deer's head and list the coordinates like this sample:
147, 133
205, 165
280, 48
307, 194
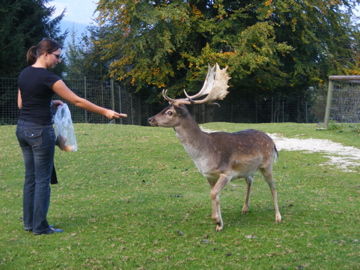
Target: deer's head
214, 88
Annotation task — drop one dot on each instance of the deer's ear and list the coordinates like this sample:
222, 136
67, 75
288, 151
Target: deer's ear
181, 110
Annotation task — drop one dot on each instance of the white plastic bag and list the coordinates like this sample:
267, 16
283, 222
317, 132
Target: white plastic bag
64, 129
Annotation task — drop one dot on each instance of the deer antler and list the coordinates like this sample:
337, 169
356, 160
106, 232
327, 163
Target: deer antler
177, 102
166, 97
215, 86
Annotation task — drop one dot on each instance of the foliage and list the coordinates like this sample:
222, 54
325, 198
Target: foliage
284, 45
23, 24
131, 198
74, 58
316, 29
355, 69
83, 57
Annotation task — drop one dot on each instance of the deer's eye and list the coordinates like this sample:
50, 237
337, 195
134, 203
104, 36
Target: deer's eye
169, 113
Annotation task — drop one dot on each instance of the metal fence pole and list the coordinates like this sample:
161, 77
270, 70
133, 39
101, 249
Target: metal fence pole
139, 110
102, 95
256, 111
272, 110
131, 109
85, 94
120, 105
112, 94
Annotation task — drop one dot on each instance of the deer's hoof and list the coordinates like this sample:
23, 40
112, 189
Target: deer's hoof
219, 227
245, 210
278, 218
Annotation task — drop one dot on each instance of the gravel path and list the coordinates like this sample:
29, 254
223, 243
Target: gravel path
343, 157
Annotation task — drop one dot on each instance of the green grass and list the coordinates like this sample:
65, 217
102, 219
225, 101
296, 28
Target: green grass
131, 198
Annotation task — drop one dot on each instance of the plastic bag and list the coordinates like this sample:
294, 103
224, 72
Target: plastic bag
64, 129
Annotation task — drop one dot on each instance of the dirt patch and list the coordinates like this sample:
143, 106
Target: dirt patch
343, 157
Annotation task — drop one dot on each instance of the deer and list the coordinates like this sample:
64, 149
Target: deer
220, 156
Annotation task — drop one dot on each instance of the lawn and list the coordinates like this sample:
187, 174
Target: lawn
131, 198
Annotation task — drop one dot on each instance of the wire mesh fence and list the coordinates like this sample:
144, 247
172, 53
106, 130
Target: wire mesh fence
113, 95
103, 93
8, 98
344, 103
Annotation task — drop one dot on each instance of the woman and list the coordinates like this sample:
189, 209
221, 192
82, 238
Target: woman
35, 133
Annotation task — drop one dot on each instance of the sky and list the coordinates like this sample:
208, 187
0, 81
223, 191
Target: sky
77, 11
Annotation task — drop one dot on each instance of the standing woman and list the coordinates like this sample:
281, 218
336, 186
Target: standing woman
35, 132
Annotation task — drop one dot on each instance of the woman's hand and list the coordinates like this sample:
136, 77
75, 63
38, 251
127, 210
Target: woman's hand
110, 114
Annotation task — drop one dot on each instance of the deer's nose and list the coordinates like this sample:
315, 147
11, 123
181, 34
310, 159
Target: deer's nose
152, 121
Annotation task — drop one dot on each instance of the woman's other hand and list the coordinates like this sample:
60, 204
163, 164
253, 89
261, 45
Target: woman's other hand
56, 102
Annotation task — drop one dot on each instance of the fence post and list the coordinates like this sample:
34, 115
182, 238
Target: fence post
139, 110
272, 110
120, 105
256, 110
328, 103
131, 109
112, 94
85, 96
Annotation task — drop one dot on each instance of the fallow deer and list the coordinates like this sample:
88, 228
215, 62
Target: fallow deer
220, 156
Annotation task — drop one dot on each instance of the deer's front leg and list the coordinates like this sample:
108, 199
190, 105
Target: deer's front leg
215, 200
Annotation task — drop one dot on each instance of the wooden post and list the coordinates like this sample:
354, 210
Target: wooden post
328, 103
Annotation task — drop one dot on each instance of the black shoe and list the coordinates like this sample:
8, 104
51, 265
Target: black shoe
50, 230
28, 229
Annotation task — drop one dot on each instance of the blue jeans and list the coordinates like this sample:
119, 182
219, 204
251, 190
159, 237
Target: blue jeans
37, 143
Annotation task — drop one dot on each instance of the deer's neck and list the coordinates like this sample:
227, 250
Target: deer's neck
195, 142
189, 133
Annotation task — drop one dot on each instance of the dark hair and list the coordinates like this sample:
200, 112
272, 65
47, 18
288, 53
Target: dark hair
44, 46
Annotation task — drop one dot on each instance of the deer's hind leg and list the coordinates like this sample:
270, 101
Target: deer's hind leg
267, 173
249, 181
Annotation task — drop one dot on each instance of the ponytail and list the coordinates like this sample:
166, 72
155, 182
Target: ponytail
31, 55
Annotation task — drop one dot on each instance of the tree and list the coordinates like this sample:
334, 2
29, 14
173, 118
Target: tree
83, 58
23, 24
143, 40
74, 59
321, 34
267, 44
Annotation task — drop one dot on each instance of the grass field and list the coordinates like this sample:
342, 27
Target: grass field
131, 198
